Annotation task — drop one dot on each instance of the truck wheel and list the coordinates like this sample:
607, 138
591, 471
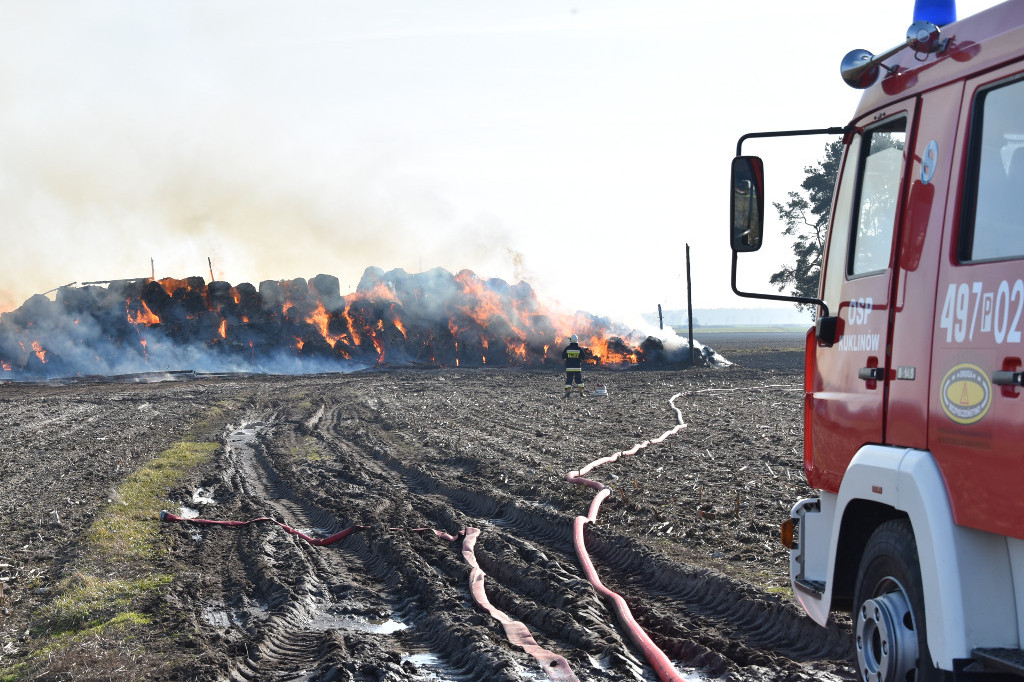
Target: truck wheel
888, 616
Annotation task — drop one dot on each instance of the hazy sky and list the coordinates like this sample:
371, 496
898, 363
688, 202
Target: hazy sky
578, 146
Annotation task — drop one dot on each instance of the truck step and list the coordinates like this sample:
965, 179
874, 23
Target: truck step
1001, 660
814, 587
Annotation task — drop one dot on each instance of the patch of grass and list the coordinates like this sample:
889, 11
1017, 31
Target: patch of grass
87, 604
125, 530
308, 450
95, 655
18, 671
100, 601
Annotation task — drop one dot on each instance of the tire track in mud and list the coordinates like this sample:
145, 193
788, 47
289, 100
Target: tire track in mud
749, 627
602, 650
285, 638
309, 631
319, 612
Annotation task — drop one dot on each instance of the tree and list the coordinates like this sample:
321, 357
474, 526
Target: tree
806, 219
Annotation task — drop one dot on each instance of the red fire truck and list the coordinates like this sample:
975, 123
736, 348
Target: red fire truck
914, 389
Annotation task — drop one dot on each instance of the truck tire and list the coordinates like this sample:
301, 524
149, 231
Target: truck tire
888, 617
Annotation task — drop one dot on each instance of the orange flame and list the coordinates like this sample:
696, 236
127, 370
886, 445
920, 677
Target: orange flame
321, 319
143, 314
39, 351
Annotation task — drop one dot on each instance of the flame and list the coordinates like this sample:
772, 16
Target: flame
223, 329
6, 366
170, 285
351, 325
377, 343
143, 315
37, 348
322, 319
601, 351
482, 304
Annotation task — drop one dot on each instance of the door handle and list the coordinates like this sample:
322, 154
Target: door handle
871, 373
1008, 378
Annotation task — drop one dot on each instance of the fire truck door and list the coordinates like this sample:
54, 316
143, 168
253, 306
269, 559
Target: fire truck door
849, 385
976, 421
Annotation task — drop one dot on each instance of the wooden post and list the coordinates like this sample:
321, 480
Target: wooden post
661, 320
209, 261
689, 302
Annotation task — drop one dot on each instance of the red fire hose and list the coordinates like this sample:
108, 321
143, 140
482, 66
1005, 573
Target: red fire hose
555, 667
656, 657
319, 542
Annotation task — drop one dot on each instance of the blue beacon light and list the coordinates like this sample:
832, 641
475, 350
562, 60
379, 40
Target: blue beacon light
938, 12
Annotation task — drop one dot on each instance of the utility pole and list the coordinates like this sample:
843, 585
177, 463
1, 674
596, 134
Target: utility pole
689, 302
661, 319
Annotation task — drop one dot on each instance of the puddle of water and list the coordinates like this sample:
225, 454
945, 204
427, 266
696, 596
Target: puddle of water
424, 659
388, 626
188, 512
222, 616
326, 620
216, 617
429, 667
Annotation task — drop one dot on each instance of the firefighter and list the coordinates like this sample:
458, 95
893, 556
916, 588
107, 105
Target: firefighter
573, 356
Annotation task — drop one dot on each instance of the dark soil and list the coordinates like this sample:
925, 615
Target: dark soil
688, 535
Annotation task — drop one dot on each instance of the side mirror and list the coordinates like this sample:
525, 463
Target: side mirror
826, 330
747, 203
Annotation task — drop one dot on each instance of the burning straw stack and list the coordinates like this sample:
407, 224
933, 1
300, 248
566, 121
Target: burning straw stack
433, 318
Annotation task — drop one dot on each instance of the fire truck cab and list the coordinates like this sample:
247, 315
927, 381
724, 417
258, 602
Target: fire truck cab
914, 387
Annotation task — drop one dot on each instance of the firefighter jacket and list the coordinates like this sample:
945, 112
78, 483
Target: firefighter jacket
573, 356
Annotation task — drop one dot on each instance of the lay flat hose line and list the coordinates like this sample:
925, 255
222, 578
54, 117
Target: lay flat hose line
319, 542
655, 657
554, 666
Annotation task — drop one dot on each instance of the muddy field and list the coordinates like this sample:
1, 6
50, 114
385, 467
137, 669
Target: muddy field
96, 587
